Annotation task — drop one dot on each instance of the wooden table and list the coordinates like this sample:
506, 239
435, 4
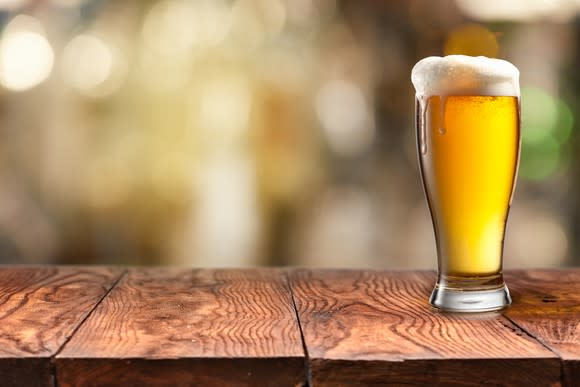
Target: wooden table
89, 326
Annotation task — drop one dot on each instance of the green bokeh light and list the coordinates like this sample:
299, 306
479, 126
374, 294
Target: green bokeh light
539, 115
539, 161
565, 123
547, 124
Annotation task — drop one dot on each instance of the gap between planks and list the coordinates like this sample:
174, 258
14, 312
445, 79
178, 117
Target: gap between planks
541, 342
308, 382
53, 375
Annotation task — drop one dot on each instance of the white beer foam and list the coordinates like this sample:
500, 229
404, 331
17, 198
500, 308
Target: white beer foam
465, 75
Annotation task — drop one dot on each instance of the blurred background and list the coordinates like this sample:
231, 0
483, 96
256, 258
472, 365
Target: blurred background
263, 132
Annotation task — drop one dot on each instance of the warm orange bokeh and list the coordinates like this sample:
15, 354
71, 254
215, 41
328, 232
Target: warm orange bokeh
472, 39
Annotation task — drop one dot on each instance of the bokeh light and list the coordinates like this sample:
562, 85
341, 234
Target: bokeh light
91, 67
167, 28
539, 115
473, 40
225, 106
69, 3
174, 27
26, 56
348, 130
547, 124
10, 5
226, 223
519, 10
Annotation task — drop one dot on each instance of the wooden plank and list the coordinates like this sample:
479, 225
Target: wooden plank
546, 304
169, 326
377, 328
40, 307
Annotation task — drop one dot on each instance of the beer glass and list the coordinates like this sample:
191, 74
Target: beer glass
468, 137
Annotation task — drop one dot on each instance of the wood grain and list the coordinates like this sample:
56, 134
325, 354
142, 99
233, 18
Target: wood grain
546, 304
167, 326
40, 307
377, 328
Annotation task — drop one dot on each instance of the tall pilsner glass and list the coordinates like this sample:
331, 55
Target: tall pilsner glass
468, 137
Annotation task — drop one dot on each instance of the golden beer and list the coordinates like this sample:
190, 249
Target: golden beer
468, 145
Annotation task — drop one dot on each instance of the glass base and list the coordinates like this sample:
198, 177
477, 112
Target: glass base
478, 300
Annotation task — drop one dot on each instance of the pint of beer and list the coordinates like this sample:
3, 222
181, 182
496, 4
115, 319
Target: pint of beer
468, 137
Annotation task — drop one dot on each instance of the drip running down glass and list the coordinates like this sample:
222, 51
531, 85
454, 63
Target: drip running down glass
468, 138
